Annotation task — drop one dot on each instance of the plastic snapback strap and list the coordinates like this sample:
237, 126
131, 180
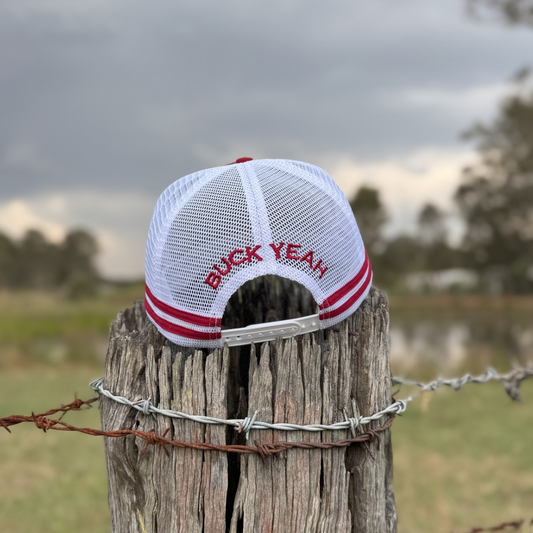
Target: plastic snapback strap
271, 330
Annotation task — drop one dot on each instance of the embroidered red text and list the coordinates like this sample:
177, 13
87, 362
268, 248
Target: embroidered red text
247, 254
292, 251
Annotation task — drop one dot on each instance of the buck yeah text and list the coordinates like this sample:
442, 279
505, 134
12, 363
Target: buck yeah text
247, 254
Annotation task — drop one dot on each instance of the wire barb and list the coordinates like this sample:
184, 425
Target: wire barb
354, 422
246, 425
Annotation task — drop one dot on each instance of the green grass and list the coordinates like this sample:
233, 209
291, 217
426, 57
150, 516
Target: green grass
47, 328
50, 348
52, 482
461, 459
29, 314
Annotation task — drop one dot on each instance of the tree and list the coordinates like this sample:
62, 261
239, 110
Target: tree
436, 252
431, 223
38, 261
402, 255
79, 273
371, 216
9, 271
496, 197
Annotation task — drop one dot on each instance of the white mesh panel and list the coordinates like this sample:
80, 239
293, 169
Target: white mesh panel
171, 200
207, 228
320, 178
303, 213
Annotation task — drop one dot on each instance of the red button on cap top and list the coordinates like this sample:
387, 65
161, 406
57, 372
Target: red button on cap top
242, 160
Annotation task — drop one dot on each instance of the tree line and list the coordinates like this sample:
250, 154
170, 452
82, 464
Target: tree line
34, 262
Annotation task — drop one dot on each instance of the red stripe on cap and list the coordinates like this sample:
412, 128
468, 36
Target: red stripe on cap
180, 330
197, 320
345, 289
350, 301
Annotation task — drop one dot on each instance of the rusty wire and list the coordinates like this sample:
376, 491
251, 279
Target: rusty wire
515, 525
75, 405
42, 421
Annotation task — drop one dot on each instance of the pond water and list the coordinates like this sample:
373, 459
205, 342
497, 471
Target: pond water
426, 343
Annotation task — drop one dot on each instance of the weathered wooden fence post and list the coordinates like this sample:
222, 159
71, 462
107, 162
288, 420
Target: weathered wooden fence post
313, 378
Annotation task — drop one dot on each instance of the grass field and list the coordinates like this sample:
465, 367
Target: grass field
461, 459
53, 482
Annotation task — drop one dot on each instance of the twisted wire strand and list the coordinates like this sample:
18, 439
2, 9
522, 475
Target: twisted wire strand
511, 381
247, 424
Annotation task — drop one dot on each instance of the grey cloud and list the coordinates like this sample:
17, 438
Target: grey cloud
116, 94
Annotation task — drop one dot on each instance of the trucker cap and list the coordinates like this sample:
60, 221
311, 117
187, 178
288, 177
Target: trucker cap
216, 229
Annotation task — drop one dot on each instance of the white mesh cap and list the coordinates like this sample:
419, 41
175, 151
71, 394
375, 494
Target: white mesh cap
216, 229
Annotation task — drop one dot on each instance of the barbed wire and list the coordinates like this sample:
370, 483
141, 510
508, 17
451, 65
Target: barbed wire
511, 381
42, 421
75, 405
245, 425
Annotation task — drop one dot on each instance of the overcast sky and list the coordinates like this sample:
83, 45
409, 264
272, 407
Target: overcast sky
103, 103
